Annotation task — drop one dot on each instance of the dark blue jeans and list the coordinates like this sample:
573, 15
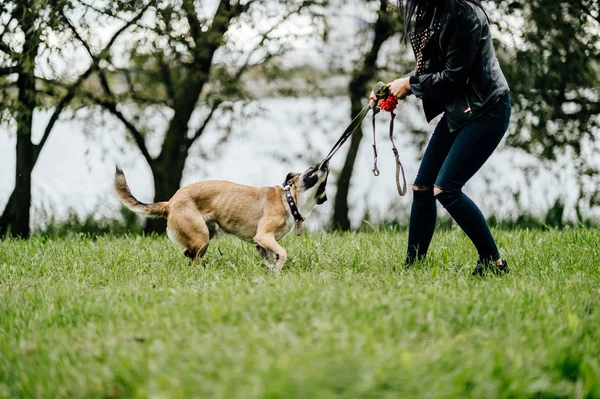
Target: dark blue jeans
450, 160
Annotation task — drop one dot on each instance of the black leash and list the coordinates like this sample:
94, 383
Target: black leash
380, 91
353, 127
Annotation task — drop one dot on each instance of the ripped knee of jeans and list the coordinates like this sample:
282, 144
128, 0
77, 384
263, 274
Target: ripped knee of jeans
447, 197
416, 187
422, 192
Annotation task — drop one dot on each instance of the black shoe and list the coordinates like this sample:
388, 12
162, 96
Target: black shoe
502, 269
482, 266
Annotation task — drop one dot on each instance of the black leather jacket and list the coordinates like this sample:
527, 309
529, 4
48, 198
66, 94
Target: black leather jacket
462, 75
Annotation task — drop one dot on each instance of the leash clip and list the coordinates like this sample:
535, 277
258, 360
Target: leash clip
376, 171
375, 168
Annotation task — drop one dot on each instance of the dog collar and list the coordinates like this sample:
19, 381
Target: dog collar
295, 212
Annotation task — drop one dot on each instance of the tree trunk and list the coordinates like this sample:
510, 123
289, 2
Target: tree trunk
167, 179
168, 167
341, 219
6, 220
15, 219
385, 26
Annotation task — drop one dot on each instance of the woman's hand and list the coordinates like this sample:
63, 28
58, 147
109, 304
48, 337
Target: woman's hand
400, 88
372, 99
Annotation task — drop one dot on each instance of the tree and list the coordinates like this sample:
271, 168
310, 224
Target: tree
25, 49
386, 25
553, 69
178, 62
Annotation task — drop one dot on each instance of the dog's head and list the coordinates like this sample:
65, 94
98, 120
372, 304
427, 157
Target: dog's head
310, 186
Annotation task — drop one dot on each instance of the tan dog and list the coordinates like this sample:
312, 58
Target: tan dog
261, 215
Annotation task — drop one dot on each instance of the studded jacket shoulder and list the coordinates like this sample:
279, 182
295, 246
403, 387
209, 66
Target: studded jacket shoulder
457, 69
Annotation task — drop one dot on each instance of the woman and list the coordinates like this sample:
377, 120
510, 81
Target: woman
457, 73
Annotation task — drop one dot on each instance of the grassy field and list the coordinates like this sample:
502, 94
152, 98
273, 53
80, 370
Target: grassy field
130, 317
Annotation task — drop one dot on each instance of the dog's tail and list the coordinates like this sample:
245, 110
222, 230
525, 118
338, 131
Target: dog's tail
157, 210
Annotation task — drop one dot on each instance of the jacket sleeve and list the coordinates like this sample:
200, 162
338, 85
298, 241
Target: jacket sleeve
460, 53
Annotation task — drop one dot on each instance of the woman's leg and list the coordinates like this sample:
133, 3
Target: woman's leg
473, 146
423, 210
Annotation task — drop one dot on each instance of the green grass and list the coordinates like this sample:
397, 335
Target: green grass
130, 317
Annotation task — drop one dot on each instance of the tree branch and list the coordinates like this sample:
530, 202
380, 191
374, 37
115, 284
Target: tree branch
77, 35
193, 21
100, 11
111, 106
226, 12
590, 13
384, 28
62, 104
105, 86
207, 42
230, 9
107, 13
125, 27
137, 136
201, 129
134, 95
5, 48
265, 37
166, 75
9, 70
242, 69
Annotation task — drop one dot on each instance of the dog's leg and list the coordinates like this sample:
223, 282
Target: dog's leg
213, 227
188, 228
196, 251
268, 243
268, 257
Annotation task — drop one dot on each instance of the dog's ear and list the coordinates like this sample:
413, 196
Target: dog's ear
290, 176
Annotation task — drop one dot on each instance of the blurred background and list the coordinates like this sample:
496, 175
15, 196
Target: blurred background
247, 91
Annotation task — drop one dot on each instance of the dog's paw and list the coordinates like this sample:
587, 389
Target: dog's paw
274, 269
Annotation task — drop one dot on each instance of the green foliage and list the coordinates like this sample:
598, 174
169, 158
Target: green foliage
552, 66
33, 35
554, 219
25, 44
130, 317
130, 223
90, 225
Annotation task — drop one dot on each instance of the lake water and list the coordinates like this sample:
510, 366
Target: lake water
270, 138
